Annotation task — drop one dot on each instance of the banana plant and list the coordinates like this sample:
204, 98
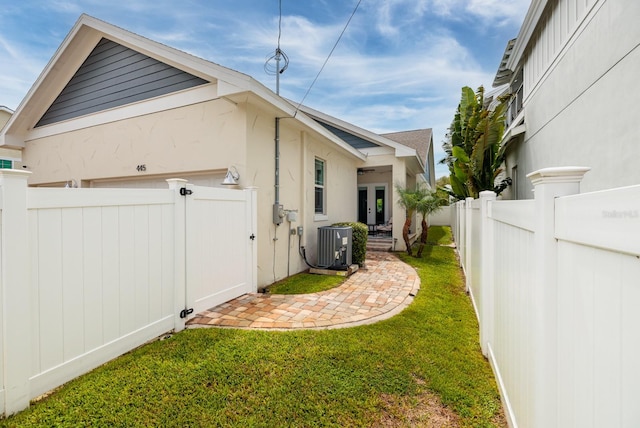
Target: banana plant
473, 143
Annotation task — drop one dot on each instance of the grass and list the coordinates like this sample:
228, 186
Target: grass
303, 283
361, 376
439, 235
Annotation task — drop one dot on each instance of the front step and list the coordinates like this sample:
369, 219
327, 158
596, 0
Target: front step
379, 245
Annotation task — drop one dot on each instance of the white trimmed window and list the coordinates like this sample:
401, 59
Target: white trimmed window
320, 180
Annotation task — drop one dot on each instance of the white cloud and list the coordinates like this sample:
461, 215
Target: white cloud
499, 12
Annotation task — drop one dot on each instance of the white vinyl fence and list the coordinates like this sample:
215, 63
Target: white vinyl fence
89, 274
555, 282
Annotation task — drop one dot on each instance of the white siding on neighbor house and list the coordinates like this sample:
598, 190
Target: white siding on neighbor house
556, 28
580, 107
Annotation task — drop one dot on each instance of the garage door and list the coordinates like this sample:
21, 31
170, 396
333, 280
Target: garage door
159, 182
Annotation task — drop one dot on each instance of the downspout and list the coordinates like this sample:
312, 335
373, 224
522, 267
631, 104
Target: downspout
278, 211
277, 140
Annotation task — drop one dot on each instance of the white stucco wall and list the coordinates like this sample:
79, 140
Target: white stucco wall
298, 150
584, 110
200, 137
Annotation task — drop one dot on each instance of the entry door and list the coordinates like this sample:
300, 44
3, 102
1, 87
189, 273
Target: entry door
362, 205
372, 203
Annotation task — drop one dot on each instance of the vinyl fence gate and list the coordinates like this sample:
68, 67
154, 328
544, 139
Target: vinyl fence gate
89, 274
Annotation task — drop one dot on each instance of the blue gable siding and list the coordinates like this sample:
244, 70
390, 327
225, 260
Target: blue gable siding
353, 140
113, 76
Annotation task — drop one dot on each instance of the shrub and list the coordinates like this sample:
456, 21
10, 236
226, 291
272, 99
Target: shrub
359, 235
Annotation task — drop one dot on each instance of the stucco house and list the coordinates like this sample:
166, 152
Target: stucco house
572, 72
7, 156
5, 114
114, 109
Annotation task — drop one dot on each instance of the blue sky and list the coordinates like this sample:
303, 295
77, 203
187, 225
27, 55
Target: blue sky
399, 66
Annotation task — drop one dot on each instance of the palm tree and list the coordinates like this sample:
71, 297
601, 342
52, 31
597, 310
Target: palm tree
408, 199
430, 203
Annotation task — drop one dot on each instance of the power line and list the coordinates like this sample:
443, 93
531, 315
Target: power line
329, 56
277, 56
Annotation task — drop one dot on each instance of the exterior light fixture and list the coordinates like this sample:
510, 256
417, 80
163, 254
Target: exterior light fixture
232, 177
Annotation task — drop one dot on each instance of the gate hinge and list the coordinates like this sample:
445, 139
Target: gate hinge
184, 191
186, 312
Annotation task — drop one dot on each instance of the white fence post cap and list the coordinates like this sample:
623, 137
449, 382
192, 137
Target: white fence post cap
562, 174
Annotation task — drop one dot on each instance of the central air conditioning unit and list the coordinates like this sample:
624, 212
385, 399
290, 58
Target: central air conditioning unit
334, 247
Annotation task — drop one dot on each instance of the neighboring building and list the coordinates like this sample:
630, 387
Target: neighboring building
114, 109
5, 115
573, 71
7, 156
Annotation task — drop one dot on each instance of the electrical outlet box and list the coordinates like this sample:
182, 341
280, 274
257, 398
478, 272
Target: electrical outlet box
292, 216
278, 213
300, 230
292, 231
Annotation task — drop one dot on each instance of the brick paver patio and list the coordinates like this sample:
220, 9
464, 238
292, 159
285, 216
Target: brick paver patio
384, 288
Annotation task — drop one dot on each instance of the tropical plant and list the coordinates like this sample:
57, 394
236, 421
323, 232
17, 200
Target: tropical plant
429, 203
408, 199
473, 144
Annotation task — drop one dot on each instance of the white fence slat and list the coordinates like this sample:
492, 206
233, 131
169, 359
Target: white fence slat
630, 349
110, 273
49, 291
167, 267
605, 219
34, 247
607, 282
141, 257
127, 269
516, 213
92, 249
73, 279
155, 262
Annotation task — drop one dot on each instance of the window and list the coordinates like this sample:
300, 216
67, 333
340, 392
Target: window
319, 187
6, 164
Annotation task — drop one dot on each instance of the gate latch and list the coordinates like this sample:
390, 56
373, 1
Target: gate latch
252, 237
186, 312
184, 191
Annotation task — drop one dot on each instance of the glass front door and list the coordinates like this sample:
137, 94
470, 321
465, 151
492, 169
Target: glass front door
372, 203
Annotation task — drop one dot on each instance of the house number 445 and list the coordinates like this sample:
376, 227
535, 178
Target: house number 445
141, 168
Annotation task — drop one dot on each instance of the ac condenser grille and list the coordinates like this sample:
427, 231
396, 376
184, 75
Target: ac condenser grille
334, 247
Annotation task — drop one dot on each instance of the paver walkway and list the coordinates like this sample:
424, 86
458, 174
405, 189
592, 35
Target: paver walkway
381, 290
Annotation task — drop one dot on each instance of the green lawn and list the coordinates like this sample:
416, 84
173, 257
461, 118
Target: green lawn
362, 376
439, 235
303, 283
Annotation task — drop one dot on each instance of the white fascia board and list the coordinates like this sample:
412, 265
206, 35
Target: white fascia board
378, 151
526, 31
179, 59
289, 111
